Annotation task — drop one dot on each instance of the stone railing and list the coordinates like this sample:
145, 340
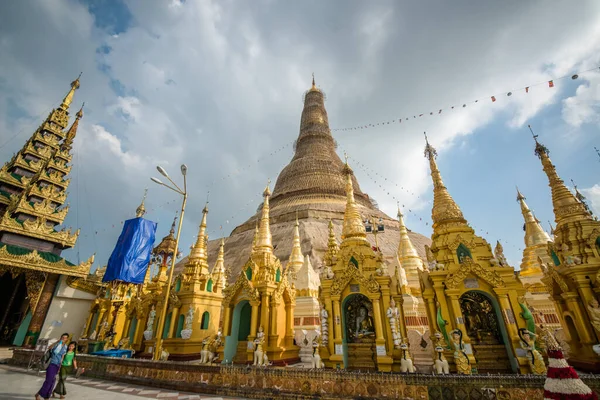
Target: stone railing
291, 383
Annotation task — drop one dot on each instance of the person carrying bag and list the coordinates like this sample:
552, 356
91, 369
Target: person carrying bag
56, 355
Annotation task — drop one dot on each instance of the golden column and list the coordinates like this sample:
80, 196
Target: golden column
174, 317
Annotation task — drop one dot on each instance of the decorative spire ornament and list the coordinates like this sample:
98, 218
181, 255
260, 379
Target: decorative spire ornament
566, 205
66, 103
353, 225
444, 208
264, 241
141, 210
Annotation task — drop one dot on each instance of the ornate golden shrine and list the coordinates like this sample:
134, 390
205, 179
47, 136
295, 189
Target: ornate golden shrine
259, 305
356, 292
475, 290
573, 276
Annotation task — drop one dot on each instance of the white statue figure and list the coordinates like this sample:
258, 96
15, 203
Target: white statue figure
406, 362
594, 312
568, 256
431, 261
164, 355
393, 314
261, 333
189, 319
93, 335
151, 317
499, 255
328, 272
324, 326
440, 363
259, 353
316, 358
206, 355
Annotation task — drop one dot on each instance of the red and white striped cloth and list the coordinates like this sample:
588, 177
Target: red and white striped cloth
562, 381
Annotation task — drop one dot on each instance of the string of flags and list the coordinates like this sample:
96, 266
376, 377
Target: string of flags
459, 105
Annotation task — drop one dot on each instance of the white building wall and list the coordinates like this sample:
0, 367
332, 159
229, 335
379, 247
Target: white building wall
68, 311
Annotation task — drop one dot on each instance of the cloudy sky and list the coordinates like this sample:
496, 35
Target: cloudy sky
218, 85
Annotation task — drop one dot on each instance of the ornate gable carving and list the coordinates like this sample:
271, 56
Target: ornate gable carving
468, 266
241, 284
342, 279
458, 240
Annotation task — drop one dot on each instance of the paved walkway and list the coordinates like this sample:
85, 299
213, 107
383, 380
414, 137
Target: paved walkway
18, 384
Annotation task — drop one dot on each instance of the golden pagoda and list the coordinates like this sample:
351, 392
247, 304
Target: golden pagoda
474, 290
307, 282
573, 275
194, 317
535, 254
311, 189
259, 305
356, 292
409, 266
33, 190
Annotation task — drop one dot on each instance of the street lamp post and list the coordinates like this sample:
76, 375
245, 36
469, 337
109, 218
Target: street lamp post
163, 313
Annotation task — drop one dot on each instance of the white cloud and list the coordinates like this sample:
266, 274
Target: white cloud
105, 140
584, 106
593, 197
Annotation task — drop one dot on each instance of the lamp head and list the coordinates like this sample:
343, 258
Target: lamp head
162, 171
183, 169
156, 180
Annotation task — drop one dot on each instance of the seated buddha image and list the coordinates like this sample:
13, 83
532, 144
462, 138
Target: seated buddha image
364, 324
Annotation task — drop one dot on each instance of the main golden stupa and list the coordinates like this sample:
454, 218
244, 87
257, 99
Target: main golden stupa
311, 188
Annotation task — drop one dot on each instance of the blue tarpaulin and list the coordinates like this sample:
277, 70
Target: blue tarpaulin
129, 260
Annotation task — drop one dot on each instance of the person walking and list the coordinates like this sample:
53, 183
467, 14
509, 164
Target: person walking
57, 353
69, 364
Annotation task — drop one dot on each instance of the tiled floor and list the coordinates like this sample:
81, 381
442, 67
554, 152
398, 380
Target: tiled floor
17, 384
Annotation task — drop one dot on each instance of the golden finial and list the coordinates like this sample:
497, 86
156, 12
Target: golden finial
313, 81
399, 212
79, 114
66, 103
430, 151
267, 191
141, 210
172, 231
533, 134
519, 195
264, 240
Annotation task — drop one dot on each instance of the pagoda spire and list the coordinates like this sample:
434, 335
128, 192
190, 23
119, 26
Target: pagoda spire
218, 271
408, 258
199, 250
534, 233
35, 182
536, 241
566, 206
66, 103
315, 172
332, 247
353, 225
296, 259
264, 240
445, 208
141, 210
72, 132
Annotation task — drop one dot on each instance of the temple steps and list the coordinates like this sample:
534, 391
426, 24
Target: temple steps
492, 358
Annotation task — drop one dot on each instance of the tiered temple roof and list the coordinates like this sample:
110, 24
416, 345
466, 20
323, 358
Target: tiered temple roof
33, 188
